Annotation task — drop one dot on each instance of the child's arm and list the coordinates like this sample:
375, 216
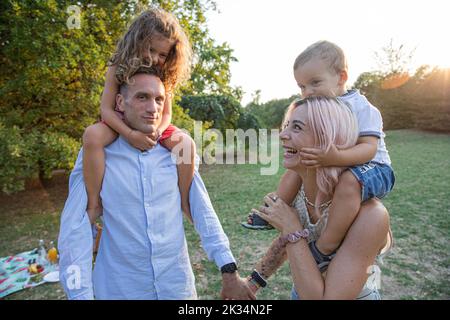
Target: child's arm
364, 151
108, 102
289, 185
167, 113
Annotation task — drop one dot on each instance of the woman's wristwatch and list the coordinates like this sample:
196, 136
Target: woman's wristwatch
294, 237
257, 280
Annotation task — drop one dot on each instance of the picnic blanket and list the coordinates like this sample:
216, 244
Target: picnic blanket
14, 275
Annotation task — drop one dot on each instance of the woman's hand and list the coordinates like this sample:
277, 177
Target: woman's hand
279, 214
140, 140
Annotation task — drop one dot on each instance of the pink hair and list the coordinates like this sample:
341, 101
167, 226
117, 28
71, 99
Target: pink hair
331, 122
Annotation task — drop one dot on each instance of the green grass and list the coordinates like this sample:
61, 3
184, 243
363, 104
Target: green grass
417, 268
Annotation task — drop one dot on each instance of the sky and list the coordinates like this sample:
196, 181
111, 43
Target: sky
267, 35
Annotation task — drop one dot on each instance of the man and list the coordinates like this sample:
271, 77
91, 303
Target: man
143, 251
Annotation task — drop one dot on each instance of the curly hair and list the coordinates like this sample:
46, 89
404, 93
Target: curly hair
135, 44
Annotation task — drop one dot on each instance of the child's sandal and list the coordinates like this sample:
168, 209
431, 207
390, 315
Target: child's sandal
255, 222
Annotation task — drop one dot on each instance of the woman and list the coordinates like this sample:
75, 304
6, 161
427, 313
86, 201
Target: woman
318, 122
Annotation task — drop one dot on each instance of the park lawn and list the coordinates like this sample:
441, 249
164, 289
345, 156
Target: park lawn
417, 268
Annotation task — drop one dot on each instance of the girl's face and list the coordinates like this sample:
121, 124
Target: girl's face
160, 47
295, 136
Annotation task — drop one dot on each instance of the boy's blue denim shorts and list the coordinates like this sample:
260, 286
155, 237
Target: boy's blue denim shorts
376, 179
366, 294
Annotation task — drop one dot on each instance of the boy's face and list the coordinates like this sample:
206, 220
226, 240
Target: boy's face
317, 78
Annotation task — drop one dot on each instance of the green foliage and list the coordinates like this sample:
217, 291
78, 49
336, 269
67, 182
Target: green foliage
52, 76
25, 155
421, 101
271, 113
248, 121
223, 110
16, 159
55, 150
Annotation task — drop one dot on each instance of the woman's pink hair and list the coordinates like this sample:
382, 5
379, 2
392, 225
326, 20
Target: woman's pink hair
331, 122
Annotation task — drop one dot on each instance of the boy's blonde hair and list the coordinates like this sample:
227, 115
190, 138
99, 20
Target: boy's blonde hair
135, 45
331, 122
324, 50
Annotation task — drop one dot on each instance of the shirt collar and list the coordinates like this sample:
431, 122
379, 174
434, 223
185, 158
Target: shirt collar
127, 145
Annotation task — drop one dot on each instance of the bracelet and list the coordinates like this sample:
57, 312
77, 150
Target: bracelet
294, 237
258, 279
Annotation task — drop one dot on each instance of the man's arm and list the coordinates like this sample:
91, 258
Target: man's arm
206, 223
214, 240
75, 240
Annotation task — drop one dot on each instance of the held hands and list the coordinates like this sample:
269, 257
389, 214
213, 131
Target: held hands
141, 141
315, 158
236, 288
283, 217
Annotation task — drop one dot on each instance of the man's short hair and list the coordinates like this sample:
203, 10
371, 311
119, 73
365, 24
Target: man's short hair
123, 86
324, 50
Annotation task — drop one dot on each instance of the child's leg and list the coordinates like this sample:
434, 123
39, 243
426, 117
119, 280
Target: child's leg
183, 147
343, 211
287, 190
95, 138
289, 185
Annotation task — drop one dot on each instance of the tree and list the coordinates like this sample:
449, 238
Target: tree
271, 113
394, 59
52, 76
223, 111
422, 102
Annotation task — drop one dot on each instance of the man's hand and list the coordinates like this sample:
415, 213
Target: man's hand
140, 140
235, 288
254, 288
315, 158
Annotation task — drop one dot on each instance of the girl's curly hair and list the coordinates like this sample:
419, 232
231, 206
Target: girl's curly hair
134, 46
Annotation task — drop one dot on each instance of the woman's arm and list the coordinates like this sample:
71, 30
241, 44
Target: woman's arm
272, 260
348, 271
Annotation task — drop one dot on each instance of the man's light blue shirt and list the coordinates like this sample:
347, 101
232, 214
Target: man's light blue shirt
143, 251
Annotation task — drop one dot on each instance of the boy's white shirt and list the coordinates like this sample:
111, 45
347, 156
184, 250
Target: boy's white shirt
370, 122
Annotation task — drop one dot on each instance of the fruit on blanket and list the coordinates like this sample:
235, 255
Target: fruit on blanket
52, 255
35, 268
